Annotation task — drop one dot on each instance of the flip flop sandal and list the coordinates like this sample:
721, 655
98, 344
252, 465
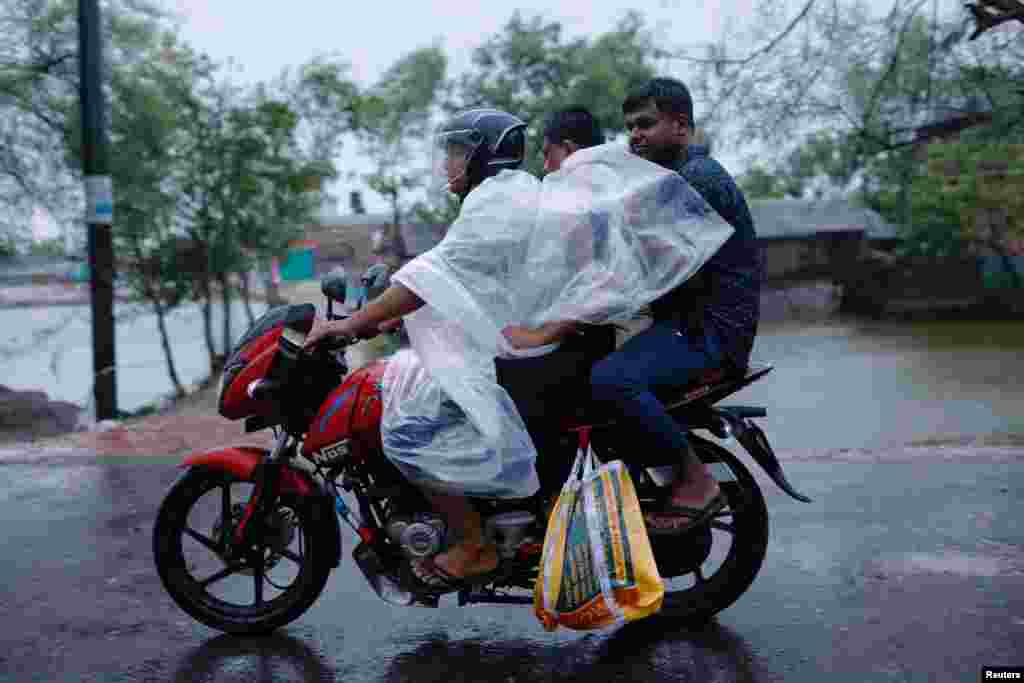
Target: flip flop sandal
697, 517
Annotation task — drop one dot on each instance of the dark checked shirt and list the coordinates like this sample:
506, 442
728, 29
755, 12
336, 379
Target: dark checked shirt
724, 295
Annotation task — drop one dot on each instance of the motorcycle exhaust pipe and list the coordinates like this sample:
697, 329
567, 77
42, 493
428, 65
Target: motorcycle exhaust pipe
372, 567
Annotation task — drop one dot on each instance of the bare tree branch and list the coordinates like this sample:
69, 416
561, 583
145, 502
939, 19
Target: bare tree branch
771, 45
893, 62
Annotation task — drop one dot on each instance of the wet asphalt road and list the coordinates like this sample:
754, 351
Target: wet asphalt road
909, 571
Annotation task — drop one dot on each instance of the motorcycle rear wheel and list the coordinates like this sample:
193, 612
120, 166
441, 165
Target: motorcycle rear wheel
191, 593
745, 519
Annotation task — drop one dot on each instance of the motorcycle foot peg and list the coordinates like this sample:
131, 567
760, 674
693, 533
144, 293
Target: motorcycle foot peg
664, 475
424, 600
373, 568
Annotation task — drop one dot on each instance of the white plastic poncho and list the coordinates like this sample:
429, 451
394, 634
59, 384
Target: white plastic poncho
606, 235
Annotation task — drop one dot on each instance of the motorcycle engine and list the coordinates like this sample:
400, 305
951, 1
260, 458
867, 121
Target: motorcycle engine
419, 535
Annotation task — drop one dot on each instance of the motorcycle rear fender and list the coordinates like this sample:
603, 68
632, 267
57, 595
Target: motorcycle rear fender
242, 461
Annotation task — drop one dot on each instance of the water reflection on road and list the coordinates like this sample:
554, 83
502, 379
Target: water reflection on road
50, 349
645, 651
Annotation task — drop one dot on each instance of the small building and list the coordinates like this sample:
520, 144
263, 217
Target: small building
38, 270
356, 241
300, 262
802, 239
816, 239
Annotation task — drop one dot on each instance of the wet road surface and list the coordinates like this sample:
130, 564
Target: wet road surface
899, 571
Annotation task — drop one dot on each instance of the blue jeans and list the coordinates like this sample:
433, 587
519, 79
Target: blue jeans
661, 358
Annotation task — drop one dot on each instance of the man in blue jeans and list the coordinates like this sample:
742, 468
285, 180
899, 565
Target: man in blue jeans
708, 322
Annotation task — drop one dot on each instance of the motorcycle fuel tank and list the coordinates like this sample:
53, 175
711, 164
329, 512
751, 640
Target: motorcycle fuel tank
351, 412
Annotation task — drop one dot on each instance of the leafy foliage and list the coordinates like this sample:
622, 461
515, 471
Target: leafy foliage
208, 177
974, 192
39, 115
529, 69
395, 126
881, 87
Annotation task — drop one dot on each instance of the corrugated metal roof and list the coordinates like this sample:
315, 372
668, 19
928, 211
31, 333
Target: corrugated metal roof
796, 218
355, 219
773, 219
27, 266
419, 237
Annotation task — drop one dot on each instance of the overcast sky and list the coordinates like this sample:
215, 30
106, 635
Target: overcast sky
264, 38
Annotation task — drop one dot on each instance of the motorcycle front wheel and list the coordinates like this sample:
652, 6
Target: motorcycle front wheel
241, 590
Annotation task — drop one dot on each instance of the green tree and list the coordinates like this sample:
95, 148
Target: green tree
276, 189
868, 79
974, 192
146, 131
327, 105
52, 247
871, 90
760, 183
39, 125
395, 124
244, 188
529, 69
42, 166
326, 101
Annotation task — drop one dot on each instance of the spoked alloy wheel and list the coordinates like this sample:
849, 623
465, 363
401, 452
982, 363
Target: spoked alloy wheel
708, 569
244, 590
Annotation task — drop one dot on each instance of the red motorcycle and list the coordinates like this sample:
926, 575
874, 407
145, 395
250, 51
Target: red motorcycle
246, 538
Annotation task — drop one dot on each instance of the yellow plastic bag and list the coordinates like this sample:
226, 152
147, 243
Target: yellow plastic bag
597, 568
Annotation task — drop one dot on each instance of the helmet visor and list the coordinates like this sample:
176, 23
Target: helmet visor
450, 154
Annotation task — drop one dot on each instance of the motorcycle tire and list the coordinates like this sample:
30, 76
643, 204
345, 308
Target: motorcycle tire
746, 553
188, 592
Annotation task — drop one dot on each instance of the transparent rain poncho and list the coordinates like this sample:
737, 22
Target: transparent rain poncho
594, 242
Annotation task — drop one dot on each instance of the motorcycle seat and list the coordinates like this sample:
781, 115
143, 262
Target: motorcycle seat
708, 386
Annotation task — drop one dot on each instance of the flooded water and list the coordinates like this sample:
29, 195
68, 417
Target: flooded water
867, 385
835, 385
50, 348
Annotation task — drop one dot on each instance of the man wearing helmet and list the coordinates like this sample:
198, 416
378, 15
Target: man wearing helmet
469, 149
448, 424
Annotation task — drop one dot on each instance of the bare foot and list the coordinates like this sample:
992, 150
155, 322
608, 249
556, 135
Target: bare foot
468, 560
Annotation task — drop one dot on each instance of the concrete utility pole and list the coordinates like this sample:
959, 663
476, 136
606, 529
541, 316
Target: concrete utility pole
99, 211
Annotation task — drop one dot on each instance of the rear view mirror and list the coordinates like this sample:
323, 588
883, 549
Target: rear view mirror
376, 279
333, 286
